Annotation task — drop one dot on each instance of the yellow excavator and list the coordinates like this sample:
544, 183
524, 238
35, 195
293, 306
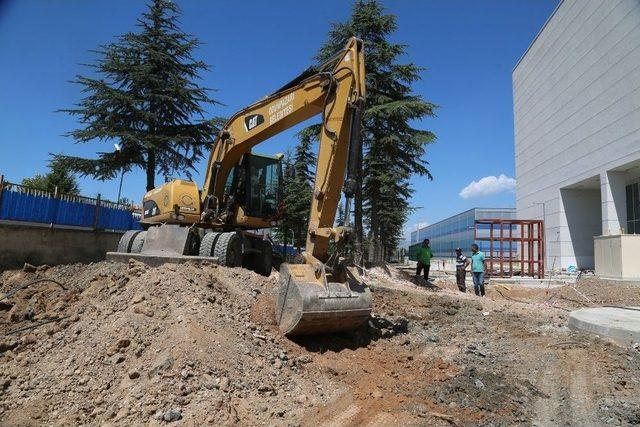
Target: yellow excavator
241, 194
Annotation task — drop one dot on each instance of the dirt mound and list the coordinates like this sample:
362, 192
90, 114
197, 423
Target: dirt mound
136, 343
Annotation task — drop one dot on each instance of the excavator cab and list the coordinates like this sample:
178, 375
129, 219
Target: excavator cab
253, 190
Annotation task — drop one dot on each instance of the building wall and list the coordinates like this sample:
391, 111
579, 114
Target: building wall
577, 125
39, 245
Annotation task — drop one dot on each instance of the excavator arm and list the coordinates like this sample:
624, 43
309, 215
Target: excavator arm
336, 90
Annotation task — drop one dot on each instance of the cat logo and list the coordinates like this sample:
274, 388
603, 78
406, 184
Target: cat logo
252, 121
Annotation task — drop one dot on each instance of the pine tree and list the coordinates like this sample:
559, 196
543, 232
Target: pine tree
59, 176
394, 149
298, 189
145, 98
340, 216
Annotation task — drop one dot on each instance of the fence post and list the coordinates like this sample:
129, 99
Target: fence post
1, 190
53, 213
96, 215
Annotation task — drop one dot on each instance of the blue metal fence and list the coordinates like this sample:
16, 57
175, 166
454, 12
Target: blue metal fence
18, 203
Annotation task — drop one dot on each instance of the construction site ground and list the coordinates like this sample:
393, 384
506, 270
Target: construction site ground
128, 344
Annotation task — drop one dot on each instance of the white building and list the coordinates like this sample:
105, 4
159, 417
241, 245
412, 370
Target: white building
576, 108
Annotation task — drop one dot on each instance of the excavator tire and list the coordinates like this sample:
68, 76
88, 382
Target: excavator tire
228, 249
126, 241
138, 242
208, 244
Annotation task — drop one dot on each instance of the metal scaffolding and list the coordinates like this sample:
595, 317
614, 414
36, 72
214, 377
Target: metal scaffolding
516, 247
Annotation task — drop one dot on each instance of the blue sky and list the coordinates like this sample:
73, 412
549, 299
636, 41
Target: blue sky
468, 48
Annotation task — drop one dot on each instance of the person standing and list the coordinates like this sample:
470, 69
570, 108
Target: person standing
478, 267
461, 270
424, 256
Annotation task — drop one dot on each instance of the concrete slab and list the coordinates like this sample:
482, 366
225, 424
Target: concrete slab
621, 325
156, 260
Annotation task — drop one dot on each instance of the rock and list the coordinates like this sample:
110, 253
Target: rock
142, 309
433, 338
301, 398
376, 394
304, 359
208, 382
133, 374
29, 339
172, 415
264, 388
277, 364
29, 268
224, 384
162, 363
479, 384
138, 299
123, 343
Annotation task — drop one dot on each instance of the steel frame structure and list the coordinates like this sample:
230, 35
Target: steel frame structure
526, 236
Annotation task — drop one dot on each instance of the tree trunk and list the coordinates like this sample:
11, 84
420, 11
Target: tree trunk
357, 214
151, 169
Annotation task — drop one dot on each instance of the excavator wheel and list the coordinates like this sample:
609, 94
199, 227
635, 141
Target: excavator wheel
126, 241
228, 249
138, 242
208, 244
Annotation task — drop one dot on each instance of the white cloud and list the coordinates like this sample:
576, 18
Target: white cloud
488, 185
420, 225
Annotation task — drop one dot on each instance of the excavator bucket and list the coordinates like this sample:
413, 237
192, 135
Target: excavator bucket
308, 304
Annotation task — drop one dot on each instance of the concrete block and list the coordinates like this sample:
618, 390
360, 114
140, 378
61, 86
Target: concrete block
617, 324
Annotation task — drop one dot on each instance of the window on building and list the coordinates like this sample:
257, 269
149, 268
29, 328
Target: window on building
633, 209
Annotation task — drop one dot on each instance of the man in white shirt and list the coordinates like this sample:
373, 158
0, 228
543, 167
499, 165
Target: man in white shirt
461, 270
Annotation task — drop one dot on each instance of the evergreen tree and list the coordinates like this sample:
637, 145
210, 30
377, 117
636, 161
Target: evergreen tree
298, 189
340, 217
58, 176
146, 99
394, 149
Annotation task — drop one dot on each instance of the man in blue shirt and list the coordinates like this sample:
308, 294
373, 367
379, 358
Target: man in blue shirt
478, 266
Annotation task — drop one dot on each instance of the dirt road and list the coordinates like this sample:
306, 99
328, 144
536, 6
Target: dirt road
129, 344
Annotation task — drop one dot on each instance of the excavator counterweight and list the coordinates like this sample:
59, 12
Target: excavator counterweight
241, 194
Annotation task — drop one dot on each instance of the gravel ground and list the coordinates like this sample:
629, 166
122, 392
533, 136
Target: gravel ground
197, 344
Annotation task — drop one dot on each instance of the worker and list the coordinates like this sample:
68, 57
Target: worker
461, 270
478, 267
424, 259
